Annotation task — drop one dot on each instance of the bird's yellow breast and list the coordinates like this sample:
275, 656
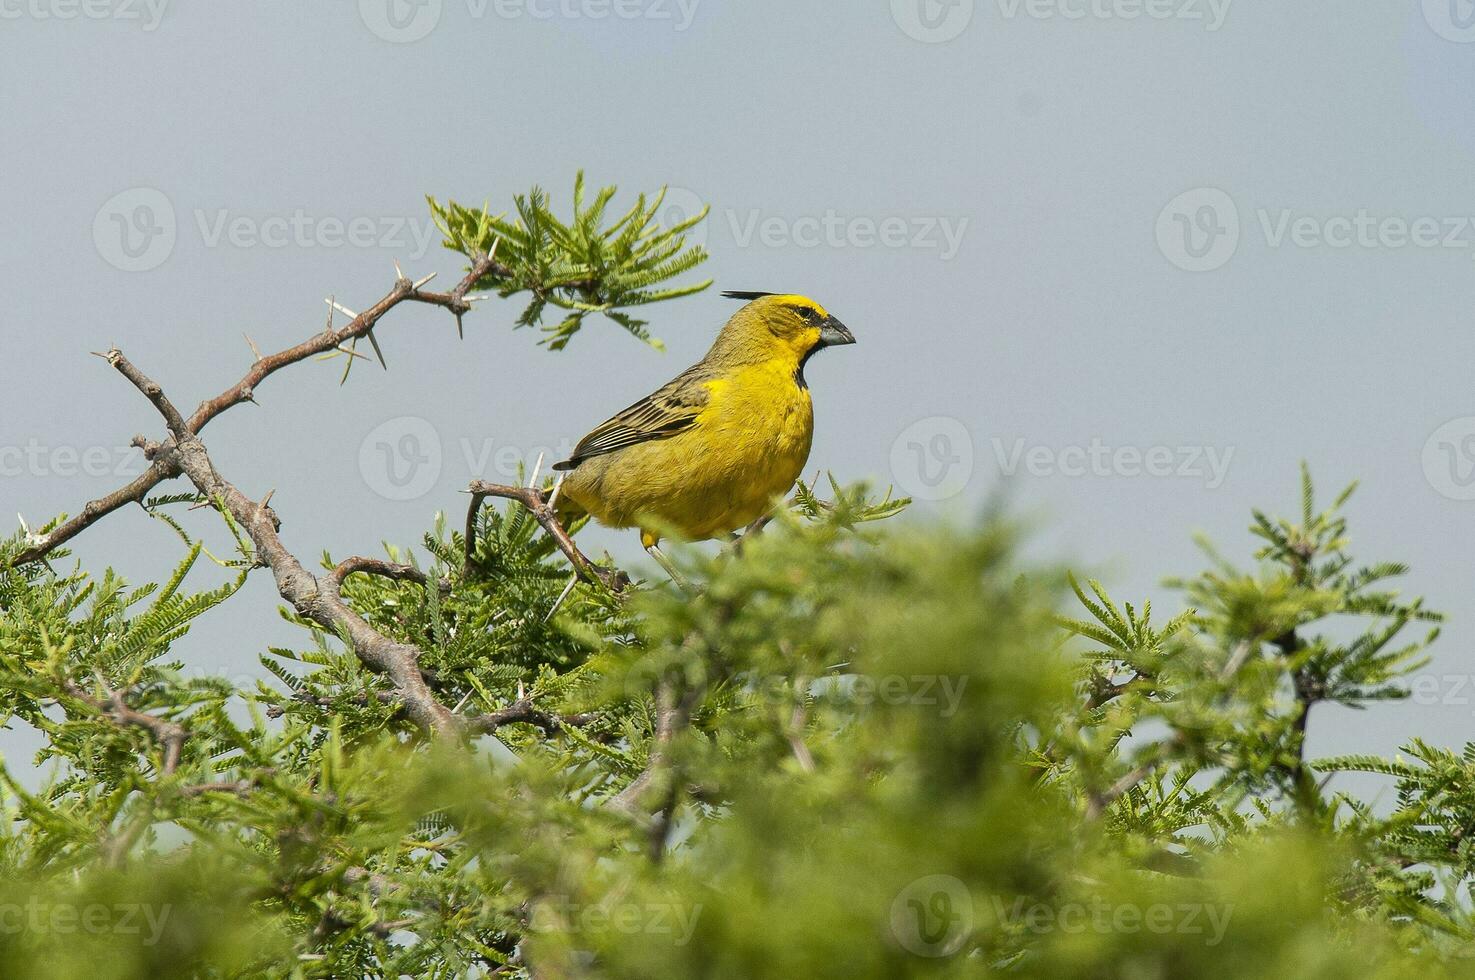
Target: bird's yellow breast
747, 446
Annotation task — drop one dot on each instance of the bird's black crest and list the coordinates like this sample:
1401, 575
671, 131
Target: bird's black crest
743, 294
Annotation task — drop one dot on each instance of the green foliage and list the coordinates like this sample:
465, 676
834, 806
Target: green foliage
588, 264
889, 760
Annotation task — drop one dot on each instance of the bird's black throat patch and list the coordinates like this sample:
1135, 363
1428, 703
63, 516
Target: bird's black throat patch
799, 371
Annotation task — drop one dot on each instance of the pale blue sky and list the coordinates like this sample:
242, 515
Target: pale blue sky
986, 211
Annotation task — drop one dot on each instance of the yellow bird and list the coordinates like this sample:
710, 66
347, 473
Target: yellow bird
709, 452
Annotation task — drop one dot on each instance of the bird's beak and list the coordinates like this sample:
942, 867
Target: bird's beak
833, 333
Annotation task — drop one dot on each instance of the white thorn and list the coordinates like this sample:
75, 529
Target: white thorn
420, 282
341, 308
31, 537
520, 693
461, 704
537, 468
478, 297
573, 580
557, 486
398, 272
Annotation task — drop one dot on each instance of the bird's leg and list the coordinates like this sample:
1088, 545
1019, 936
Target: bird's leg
681, 580
751, 531
653, 548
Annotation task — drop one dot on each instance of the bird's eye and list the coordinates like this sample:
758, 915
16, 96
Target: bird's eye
806, 314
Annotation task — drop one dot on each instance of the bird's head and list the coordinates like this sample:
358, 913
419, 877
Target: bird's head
793, 324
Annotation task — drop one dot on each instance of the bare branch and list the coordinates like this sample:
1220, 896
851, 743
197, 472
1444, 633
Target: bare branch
383, 569
537, 504
168, 734
164, 466
314, 599
239, 787
323, 701
359, 326
522, 710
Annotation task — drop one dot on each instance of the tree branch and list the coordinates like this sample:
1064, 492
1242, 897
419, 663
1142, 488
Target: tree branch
314, 599
164, 466
384, 569
168, 734
522, 710
536, 502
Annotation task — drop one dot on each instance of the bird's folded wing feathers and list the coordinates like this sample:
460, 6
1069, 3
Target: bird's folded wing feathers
660, 415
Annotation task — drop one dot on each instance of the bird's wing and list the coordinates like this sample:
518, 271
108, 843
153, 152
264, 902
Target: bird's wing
659, 415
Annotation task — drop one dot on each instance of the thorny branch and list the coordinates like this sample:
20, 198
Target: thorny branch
315, 598
163, 462
537, 504
384, 569
170, 736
